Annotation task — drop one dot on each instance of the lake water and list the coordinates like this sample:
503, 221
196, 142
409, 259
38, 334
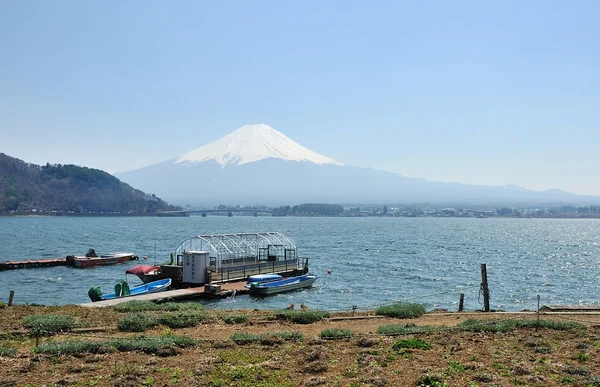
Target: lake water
372, 260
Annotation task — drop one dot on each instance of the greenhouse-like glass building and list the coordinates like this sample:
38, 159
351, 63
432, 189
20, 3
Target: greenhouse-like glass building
236, 256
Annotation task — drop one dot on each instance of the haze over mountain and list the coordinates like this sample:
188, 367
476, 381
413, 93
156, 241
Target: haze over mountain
256, 164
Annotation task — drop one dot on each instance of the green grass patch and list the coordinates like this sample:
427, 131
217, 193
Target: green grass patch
183, 319
249, 376
431, 381
151, 344
404, 329
142, 344
137, 322
473, 325
301, 316
239, 357
411, 344
242, 338
73, 347
246, 338
401, 310
48, 324
7, 351
548, 324
336, 333
289, 336
237, 319
148, 306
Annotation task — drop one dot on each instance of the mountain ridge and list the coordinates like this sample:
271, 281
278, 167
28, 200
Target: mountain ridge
69, 188
226, 170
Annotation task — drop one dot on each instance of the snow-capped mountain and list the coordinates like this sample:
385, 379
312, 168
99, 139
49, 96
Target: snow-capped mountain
258, 165
252, 143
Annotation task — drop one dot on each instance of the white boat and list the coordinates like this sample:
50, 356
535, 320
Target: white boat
283, 285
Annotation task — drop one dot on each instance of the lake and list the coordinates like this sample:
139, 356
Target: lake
373, 261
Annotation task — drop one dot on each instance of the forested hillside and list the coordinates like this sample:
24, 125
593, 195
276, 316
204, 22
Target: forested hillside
26, 188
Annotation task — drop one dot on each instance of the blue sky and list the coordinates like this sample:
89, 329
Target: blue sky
493, 93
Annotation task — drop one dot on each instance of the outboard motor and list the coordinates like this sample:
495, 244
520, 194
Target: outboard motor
95, 293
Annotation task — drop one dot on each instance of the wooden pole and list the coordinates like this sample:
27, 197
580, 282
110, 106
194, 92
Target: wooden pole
461, 304
485, 289
10, 297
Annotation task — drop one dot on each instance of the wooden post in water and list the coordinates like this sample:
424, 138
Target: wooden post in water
485, 289
10, 297
461, 304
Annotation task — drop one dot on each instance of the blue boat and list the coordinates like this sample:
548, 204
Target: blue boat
283, 285
122, 290
263, 278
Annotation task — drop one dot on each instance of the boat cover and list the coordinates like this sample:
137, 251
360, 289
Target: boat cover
142, 269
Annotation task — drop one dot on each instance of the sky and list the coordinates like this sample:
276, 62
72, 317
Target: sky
492, 92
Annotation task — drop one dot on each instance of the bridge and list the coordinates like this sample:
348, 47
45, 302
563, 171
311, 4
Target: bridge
216, 211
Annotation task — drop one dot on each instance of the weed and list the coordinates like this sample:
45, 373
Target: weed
7, 352
240, 357
401, 310
246, 338
431, 381
582, 356
473, 325
411, 344
71, 347
237, 319
403, 329
301, 316
137, 322
336, 333
184, 319
151, 344
48, 324
455, 367
289, 336
146, 306
143, 344
242, 338
566, 380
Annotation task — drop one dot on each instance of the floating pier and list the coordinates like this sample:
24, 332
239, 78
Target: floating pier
223, 291
11, 265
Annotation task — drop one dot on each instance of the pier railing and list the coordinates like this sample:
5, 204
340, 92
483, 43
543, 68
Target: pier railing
239, 272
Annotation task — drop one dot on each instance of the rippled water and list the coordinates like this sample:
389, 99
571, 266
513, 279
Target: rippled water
373, 260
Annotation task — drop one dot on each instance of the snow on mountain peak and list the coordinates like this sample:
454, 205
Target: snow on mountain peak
252, 143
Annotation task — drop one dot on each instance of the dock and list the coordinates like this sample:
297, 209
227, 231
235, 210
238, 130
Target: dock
11, 265
570, 308
227, 290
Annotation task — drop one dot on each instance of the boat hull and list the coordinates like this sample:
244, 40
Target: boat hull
151, 287
285, 285
83, 262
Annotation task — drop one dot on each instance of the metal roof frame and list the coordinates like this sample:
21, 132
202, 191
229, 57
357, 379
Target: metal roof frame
230, 246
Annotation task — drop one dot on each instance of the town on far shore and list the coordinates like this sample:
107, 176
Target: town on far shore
338, 210
423, 210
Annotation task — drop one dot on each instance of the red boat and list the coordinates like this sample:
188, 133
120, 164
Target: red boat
91, 259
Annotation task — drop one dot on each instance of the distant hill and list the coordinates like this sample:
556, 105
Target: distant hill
258, 165
69, 189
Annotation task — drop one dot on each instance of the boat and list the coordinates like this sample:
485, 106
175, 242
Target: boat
91, 259
263, 278
147, 273
122, 290
283, 285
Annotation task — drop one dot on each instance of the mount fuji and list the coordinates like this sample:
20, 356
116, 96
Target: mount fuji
257, 165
